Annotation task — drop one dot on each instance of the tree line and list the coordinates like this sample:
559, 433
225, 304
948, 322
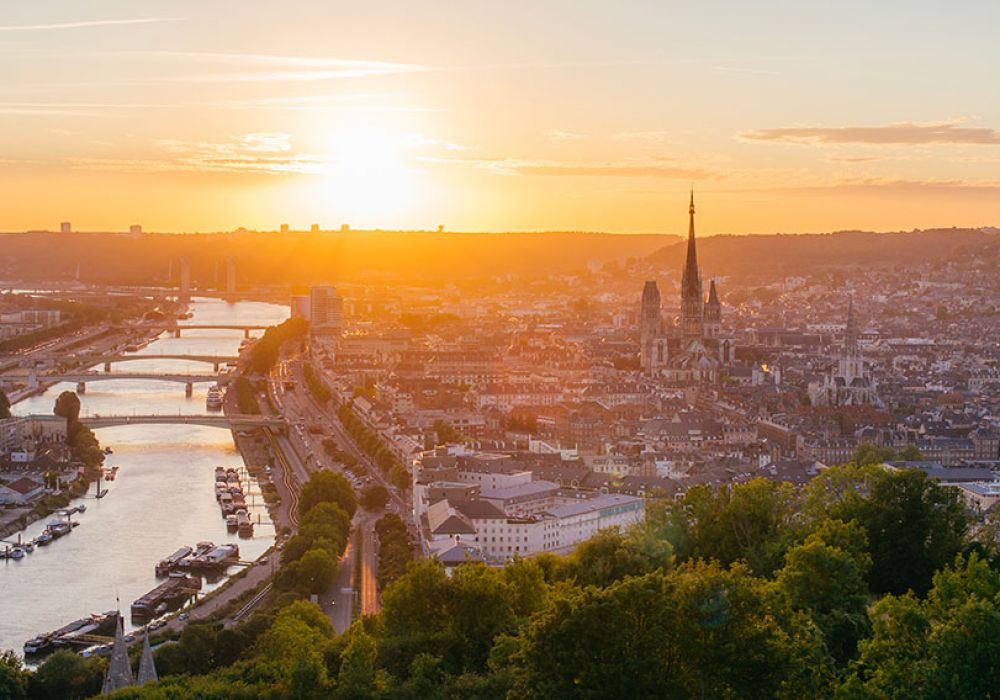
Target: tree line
865, 583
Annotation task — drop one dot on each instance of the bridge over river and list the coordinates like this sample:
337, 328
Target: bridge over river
235, 421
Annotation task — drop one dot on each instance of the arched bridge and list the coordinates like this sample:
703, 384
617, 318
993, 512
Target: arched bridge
212, 420
108, 360
176, 328
87, 377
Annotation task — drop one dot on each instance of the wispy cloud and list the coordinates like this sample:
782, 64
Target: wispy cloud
899, 186
268, 68
361, 102
657, 138
853, 159
85, 24
557, 135
903, 133
514, 166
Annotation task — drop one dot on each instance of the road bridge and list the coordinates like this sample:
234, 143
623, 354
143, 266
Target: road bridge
176, 328
83, 378
109, 359
212, 420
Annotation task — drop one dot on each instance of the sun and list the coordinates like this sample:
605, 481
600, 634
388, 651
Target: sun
366, 149
367, 179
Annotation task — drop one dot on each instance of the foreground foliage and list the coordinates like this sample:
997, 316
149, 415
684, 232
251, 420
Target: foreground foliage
866, 584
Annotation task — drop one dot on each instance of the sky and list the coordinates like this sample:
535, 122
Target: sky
784, 116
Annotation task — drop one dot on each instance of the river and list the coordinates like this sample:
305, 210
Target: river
163, 497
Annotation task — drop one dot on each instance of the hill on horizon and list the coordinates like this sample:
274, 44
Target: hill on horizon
789, 254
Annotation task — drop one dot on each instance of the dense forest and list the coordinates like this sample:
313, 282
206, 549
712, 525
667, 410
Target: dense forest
865, 583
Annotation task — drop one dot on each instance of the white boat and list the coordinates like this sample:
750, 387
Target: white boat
213, 401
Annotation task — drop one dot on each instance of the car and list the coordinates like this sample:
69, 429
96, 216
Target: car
129, 638
157, 624
183, 616
262, 561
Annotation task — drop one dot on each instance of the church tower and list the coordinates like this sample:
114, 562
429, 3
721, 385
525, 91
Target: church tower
692, 298
852, 362
651, 348
713, 313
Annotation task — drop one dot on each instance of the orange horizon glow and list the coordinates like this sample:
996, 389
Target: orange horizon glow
484, 118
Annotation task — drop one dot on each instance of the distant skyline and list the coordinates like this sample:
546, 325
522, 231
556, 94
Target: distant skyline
483, 116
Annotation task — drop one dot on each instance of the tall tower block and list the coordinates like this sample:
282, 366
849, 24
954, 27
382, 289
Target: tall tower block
185, 279
230, 276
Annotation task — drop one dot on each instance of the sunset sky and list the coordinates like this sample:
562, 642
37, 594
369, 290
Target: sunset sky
487, 116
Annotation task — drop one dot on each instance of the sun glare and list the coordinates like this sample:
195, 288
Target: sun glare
368, 176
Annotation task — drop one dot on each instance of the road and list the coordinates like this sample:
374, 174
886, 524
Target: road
302, 411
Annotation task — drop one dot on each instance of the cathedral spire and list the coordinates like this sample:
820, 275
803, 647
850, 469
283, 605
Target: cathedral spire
691, 279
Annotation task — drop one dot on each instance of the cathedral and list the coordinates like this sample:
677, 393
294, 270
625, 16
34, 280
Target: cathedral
849, 383
695, 347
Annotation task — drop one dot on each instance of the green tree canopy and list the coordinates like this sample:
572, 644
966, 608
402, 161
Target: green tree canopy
68, 406
327, 487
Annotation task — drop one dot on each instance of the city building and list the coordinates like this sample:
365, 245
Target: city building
696, 347
326, 311
849, 383
300, 306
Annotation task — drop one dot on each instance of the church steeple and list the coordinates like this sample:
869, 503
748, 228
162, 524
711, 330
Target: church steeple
691, 280
147, 667
692, 298
119, 672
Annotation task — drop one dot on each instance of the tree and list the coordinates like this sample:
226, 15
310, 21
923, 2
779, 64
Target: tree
698, 632
13, 677
868, 455
67, 676
68, 406
356, 680
940, 648
374, 497
827, 582
4, 405
610, 556
752, 522
915, 527
327, 487
317, 569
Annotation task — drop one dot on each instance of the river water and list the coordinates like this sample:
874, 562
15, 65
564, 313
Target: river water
162, 499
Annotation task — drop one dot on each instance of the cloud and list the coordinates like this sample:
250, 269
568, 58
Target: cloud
269, 68
904, 133
853, 159
86, 24
514, 166
361, 102
654, 137
896, 186
264, 142
78, 109
557, 135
